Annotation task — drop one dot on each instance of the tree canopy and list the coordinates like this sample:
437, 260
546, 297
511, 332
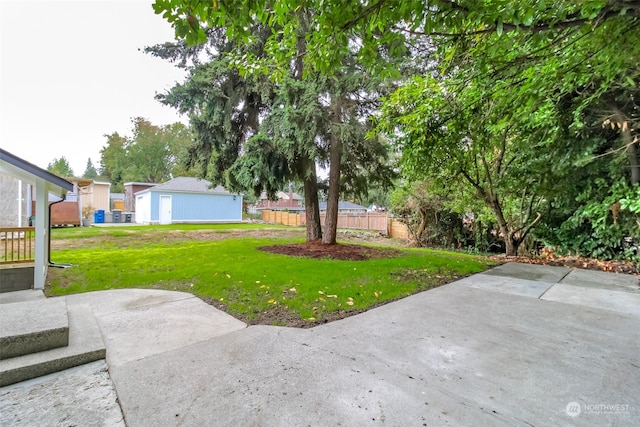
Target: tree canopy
253, 133
90, 171
515, 99
151, 154
60, 166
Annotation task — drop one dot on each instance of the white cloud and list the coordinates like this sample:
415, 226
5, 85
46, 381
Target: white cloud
72, 71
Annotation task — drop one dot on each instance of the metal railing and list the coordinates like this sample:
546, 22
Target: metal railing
17, 245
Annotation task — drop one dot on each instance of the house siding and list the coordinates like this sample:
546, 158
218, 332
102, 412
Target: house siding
143, 205
130, 189
193, 207
12, 198
96, 196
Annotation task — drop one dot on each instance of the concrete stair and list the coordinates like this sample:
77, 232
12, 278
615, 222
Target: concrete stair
39, 336
33, 326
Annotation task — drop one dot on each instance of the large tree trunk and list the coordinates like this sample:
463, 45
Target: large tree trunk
511, 246
510, 242
632, 151
312, 208
335, 157
422, 227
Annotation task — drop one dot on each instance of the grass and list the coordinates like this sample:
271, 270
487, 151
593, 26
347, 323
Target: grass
251, 284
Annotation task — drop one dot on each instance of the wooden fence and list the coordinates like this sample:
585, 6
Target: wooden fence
369, 221
17, 245
398, 229
283, 217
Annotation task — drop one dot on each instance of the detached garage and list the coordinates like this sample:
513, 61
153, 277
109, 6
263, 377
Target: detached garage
186, 199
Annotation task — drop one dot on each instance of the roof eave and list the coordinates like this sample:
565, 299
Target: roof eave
22, 169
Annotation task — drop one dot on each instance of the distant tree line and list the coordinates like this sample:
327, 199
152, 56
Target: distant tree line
150, 154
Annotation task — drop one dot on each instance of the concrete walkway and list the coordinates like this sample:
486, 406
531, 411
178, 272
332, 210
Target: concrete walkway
517, 345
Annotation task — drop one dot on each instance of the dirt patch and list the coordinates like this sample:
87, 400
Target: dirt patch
281, 316
343, 252
130, 238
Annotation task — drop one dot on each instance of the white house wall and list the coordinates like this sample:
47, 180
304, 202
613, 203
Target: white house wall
14, 206
143, 208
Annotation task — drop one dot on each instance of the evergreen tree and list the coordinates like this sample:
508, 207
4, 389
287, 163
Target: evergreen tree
60, 166
90, 172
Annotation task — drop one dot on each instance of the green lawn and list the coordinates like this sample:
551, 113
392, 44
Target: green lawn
251, 284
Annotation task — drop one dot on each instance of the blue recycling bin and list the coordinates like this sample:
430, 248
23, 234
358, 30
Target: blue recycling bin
98, 216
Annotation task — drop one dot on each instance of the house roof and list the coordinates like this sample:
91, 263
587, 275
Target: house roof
281, 195
21, 169
187, 185
150, 184
81, 182
281, 208
343, 205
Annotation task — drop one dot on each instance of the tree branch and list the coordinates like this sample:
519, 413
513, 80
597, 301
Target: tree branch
529, 227
487, 172
475, 184
365, 13
611, 11
503, 148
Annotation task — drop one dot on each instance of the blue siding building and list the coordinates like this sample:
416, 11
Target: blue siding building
186, 199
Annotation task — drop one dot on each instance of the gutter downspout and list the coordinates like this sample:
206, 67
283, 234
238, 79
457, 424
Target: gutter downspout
51, 263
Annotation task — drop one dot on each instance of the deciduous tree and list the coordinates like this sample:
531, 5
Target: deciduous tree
152, 154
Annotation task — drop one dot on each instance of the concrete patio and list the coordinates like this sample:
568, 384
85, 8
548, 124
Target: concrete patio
517, 345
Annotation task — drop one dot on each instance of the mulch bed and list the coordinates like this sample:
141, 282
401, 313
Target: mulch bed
344, 252
348, 252
577, 262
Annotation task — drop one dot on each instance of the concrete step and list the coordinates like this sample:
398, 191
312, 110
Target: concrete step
33, 326
85, 345
19, 296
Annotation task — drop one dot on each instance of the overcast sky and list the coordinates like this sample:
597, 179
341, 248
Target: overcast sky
73, 71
